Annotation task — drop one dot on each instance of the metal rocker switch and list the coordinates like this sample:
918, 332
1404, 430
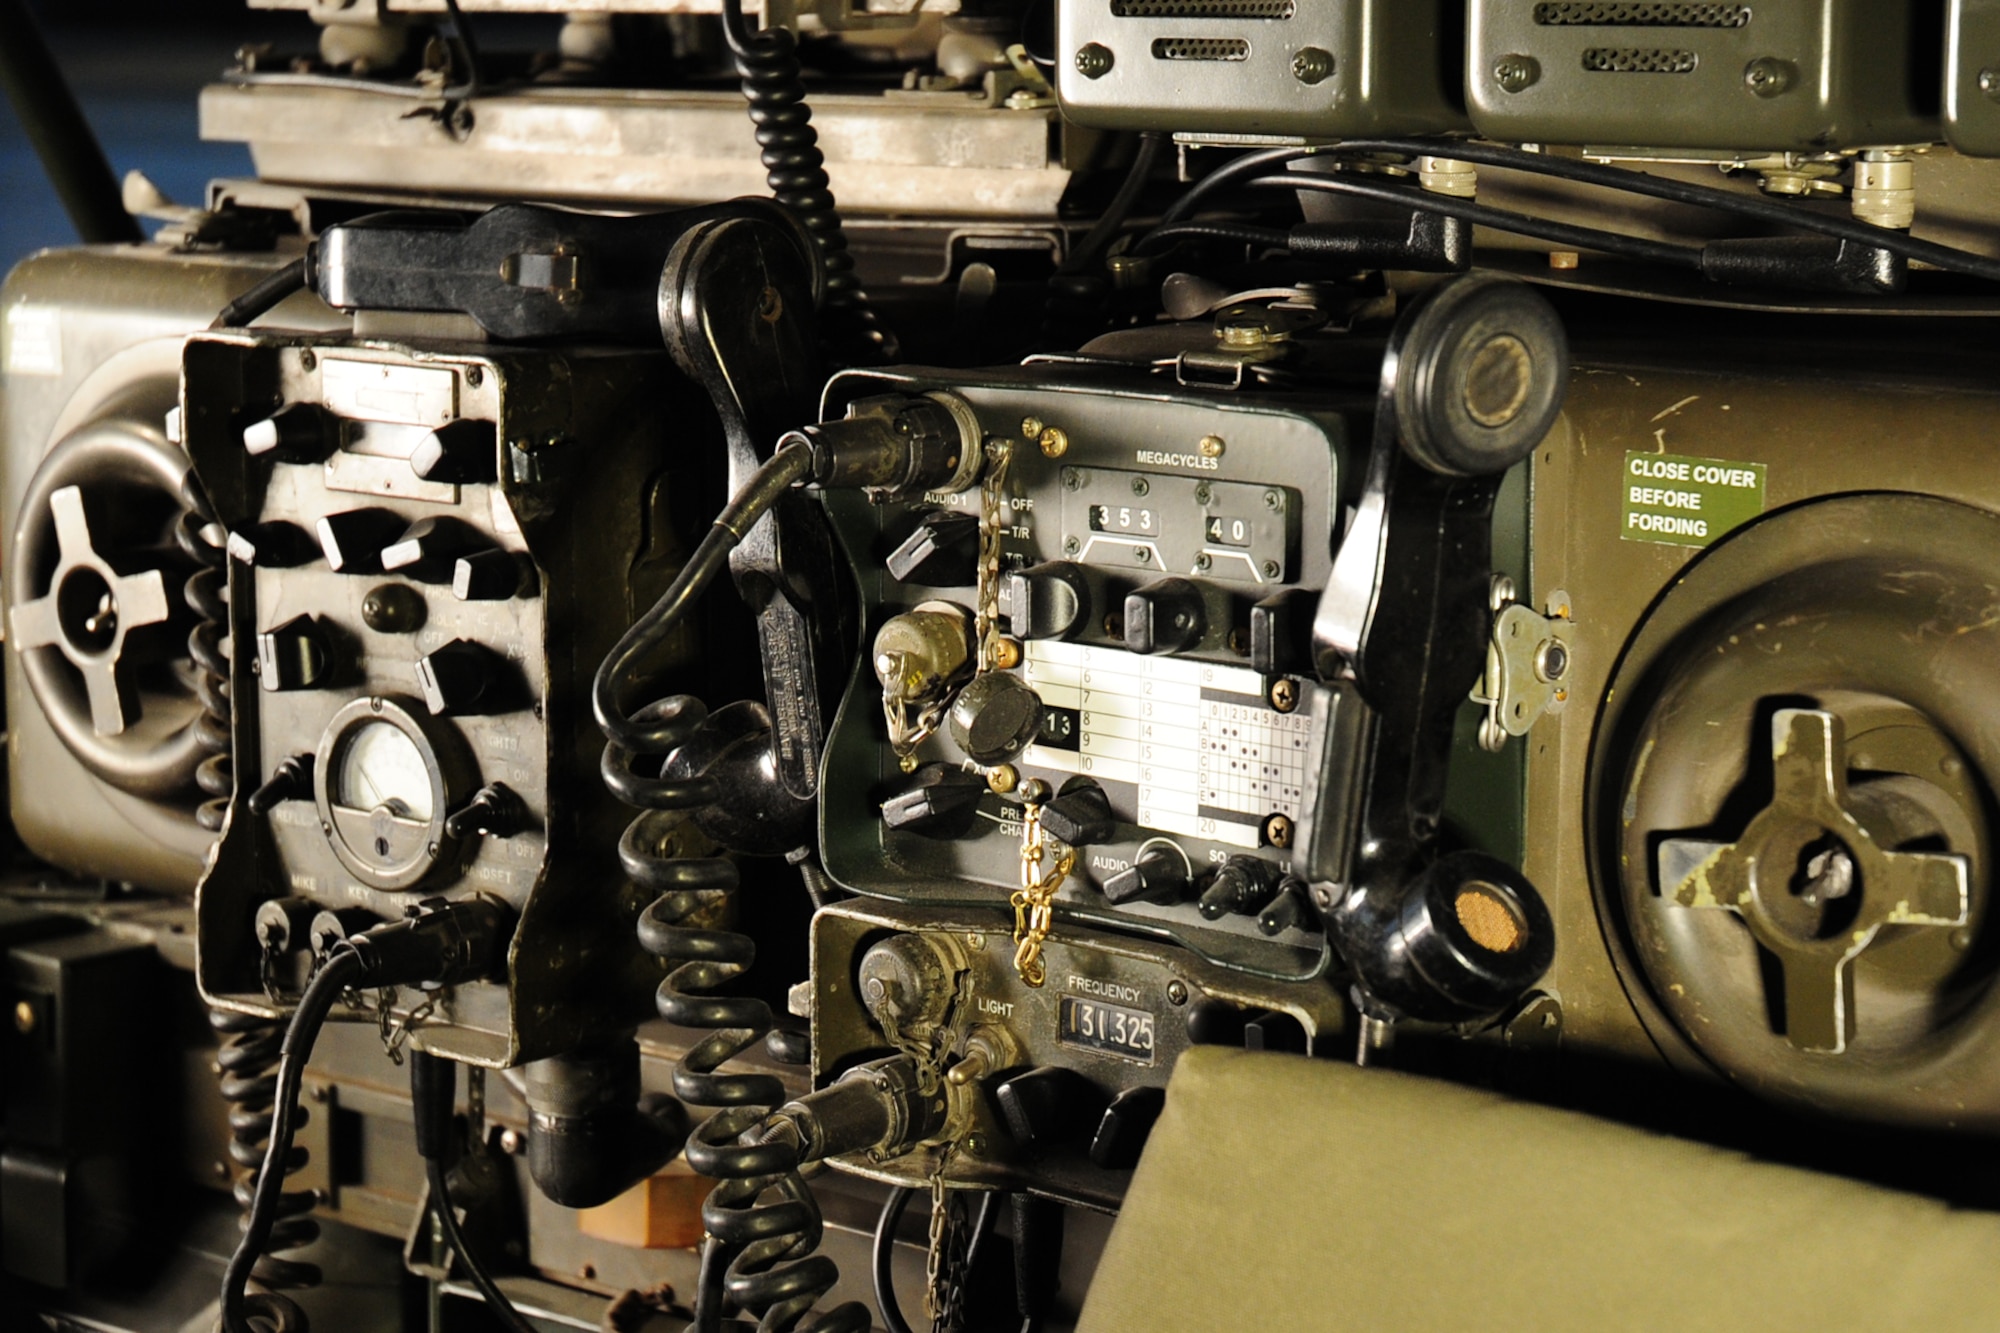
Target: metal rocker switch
941, 803
291, 780
495, 811
1813, 878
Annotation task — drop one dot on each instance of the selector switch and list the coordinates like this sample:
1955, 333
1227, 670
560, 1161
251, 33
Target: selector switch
461, 452
1081, 816
941, 803
301, 433
429, 548
353, 541
458, 677
1050, 601
1128, 1122
943, 552
1164, 617
1160, 876
274, 545
492, 575
1049, 1106
995, 718
294, 656
494, 811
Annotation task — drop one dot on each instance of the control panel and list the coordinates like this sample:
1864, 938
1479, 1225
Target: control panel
421, 580
1108, 633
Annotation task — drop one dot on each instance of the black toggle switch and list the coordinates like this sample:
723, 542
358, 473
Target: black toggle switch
1127, 1123
353, 541
457, 677
1050, 601
1245, 885
1157, 877
495, 811
1271, 1030
294, 656
273, 545
291, 780
1290, 908
1049, 1106
941, 803
1280, 633
461, 452
1213, 1022
943, 551
1081, 816
492, 575
301, 433
1164, 617
429, 548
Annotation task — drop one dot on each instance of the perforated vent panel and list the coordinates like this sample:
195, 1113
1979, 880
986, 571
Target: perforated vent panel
1638, 60
1204, 9
1200, 48
1584, 13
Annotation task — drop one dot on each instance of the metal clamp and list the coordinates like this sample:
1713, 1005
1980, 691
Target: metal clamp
1527, 664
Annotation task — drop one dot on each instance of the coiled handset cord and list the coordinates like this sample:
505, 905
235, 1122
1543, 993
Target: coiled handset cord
760, 1255
767, 63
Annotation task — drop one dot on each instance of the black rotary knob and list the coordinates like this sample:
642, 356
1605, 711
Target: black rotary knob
995, 718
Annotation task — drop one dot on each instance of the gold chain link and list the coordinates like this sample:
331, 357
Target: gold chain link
1034, 901
992, 526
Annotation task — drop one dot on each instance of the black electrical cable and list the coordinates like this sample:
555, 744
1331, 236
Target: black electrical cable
496, 1300
342, 967
70, 152
1160, 238
623, 669
1558, 233
1605, 177
883, 1255
1098, 239
262, 298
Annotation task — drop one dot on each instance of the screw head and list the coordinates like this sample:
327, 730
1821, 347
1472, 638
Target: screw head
975, 1145
306, 359
1177, 992
1203, 561
1989, 83
1517, 73
1768, 76
1071, 546
1278, 831
1274, 501
474, 376
1003, 779
1140, 486
975, 941
1203, 493
1270, 569
1006, 654
1312, 65
1095, 60
511, 1142
1552, 661
1054, 442
1072, 479
24, 1017
1031, 428
1212, 446
1284, 694
1142, 554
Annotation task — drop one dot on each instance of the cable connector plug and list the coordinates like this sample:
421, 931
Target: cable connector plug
898, 446
438, 943
880, 1107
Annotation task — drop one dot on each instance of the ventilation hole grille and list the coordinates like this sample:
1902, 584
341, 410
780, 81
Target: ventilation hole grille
1584, 13
1204, 9
1200, 48
1638, 60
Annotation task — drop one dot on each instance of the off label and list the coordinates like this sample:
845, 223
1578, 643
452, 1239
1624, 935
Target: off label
1682, 501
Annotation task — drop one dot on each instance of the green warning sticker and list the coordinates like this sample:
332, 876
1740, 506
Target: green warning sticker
1684, 501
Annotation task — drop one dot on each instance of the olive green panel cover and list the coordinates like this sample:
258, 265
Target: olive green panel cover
1285, 1193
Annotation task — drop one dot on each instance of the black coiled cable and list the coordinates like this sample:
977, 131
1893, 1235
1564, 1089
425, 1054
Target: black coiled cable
207, 595
767, 62
248, 1058
760, 1254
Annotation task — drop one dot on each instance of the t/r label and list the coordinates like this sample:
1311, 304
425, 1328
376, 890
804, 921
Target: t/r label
1681, 501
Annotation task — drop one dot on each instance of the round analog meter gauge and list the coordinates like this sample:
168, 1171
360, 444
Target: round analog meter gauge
383, 790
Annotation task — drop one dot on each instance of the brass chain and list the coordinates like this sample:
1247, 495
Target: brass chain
944, 1264
992, 526
1034, 901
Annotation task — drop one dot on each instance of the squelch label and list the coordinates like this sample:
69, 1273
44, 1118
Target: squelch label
1682, 501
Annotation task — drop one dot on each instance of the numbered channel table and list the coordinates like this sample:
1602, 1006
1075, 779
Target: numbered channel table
1208, 757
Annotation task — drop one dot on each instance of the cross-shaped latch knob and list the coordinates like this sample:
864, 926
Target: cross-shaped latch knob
1812, 882
88, 614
